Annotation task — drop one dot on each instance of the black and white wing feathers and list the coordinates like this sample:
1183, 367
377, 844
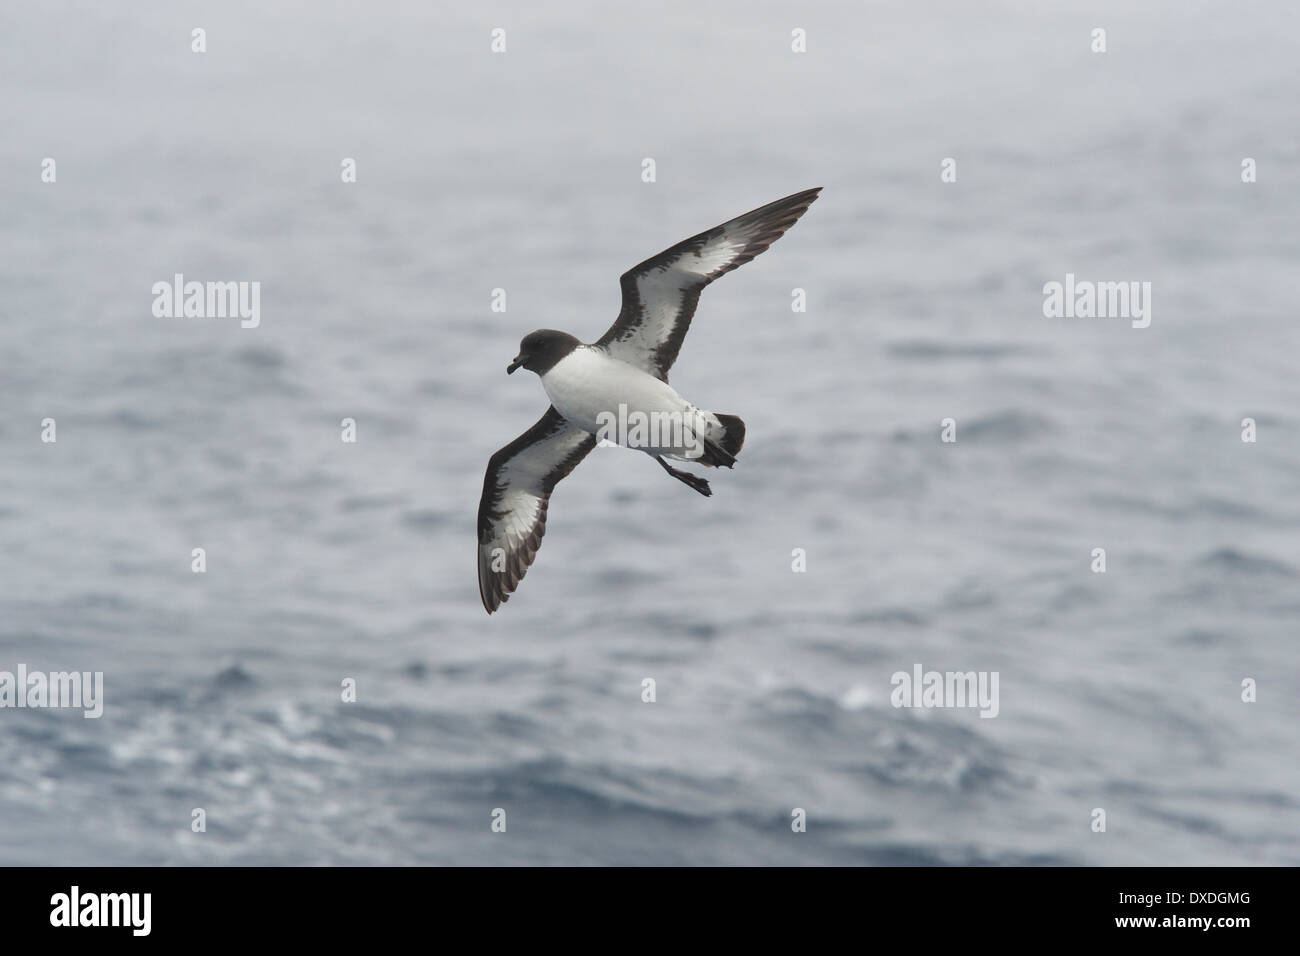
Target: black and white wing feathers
516, 490
660, 295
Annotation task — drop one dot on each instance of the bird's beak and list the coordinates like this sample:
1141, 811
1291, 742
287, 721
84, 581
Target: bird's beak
518, 361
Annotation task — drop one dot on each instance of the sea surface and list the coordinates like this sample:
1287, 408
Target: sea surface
329, 561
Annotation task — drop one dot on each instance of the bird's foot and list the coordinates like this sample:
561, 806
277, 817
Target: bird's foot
685, 477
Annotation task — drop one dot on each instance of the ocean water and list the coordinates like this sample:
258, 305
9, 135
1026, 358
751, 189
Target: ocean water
522, 171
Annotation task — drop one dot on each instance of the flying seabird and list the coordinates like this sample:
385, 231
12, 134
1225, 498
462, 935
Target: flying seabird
609, 388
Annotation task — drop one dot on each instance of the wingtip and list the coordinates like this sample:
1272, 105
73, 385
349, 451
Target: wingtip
491, 597
800, 201
487, 592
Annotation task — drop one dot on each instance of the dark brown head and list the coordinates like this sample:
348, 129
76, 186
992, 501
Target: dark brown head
540, 350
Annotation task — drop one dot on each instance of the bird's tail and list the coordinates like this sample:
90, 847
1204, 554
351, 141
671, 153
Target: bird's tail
723, 444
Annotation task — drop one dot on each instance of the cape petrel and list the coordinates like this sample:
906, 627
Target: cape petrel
622, 377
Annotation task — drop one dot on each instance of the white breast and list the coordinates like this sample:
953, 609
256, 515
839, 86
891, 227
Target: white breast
588, 381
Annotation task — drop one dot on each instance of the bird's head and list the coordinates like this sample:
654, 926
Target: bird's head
540, 350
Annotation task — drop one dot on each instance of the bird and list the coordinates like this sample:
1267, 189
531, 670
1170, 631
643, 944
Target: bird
616, 388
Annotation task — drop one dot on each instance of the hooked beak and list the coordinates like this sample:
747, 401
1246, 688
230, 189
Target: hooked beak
519, 360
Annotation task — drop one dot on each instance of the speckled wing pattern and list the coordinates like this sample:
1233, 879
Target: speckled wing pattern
516, 490
660, 294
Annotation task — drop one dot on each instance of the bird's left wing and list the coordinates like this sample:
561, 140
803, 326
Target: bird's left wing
660, 295
516, 490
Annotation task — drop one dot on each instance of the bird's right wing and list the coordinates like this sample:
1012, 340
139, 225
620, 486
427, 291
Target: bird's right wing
516, 490
660, 294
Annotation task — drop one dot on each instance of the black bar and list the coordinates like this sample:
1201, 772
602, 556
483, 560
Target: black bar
329, 905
